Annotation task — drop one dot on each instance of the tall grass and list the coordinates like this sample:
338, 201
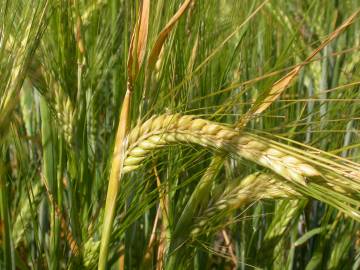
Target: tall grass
179, 134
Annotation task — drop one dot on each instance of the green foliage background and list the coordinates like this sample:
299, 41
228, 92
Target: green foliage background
63, 76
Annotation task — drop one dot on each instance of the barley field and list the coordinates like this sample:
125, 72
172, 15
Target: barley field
181, 134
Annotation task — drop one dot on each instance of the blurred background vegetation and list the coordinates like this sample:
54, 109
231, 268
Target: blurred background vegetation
65, 67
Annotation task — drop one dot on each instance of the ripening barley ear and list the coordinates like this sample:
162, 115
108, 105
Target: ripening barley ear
283, 160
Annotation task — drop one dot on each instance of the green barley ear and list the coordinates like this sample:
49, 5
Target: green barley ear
17, 47
252, 188
65, 114
23, 220
286, 214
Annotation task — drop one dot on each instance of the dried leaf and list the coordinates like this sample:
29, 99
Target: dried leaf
143, 32
164, 34
138, 42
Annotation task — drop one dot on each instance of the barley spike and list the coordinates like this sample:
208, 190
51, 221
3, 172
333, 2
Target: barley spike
165, 130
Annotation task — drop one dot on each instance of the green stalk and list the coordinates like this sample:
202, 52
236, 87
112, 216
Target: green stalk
50, 177
8, 248
114, 181
199, 196
115, 72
